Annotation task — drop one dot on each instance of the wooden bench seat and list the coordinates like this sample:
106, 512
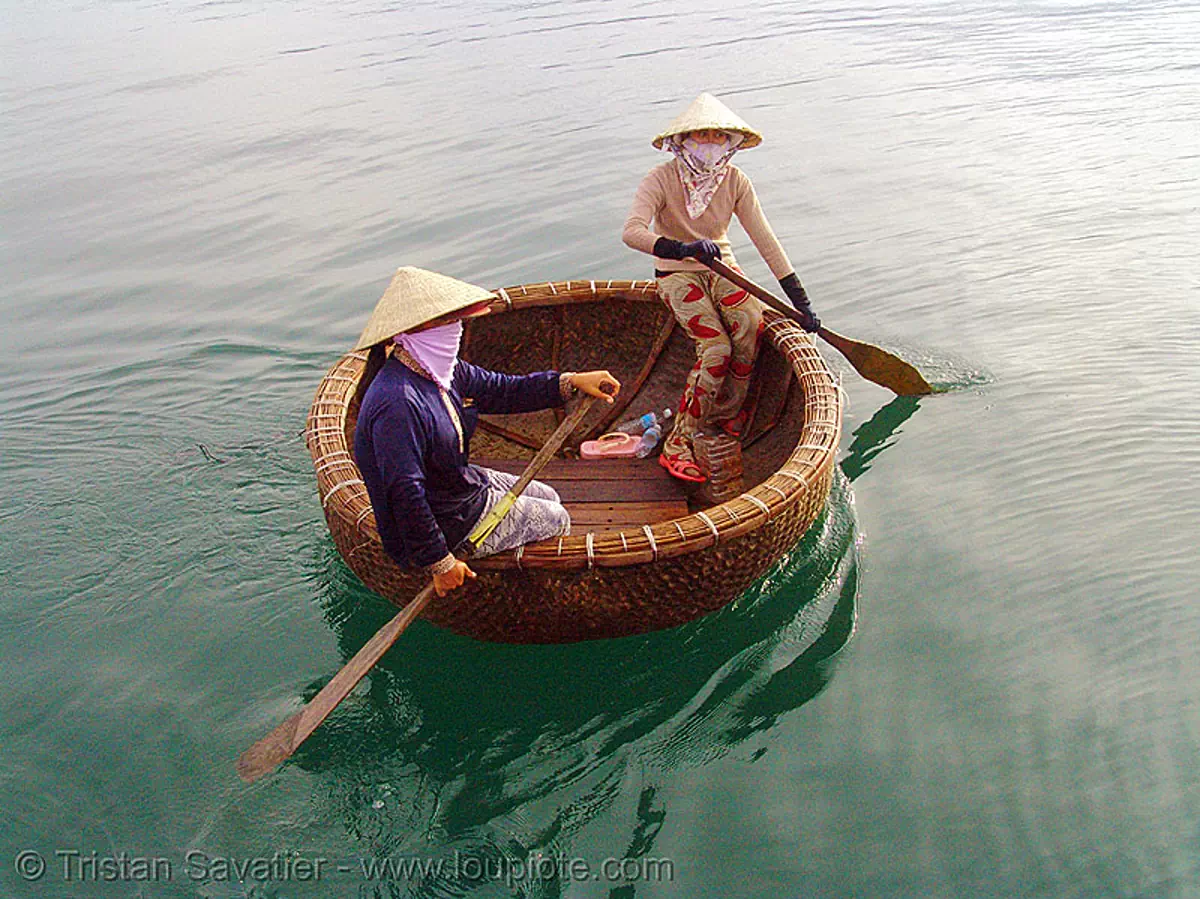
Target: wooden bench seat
608, 494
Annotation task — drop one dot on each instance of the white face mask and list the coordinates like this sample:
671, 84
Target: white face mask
702, 167
707, 155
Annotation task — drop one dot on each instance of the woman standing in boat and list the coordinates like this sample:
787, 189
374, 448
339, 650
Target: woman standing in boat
689, 201
412, 439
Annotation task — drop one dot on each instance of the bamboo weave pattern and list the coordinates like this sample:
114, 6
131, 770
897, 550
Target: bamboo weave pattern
595, 585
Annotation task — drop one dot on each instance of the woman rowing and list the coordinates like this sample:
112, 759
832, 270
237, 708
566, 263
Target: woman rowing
689, 201
412, 440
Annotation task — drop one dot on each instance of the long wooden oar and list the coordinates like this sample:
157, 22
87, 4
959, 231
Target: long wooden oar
285, 739
872, 362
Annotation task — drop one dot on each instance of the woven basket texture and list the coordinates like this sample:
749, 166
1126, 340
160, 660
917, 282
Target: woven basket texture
605, 584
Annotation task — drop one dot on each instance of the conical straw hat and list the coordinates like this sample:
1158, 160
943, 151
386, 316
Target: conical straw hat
707, 111
414, 297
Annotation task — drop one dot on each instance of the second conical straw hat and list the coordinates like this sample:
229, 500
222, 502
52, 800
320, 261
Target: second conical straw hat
705, 112
414, 297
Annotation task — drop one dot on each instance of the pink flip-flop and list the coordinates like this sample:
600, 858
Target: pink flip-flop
615, 445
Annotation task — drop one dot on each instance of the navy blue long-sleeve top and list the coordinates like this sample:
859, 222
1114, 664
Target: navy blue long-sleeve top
425, 493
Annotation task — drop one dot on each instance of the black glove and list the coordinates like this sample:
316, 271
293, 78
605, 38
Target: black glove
704, 250
795, 292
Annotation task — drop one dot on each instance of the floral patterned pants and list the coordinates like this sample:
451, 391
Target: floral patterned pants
537, 514
726, 325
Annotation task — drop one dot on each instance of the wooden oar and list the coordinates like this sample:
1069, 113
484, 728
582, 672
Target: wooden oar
872, 362
285, 739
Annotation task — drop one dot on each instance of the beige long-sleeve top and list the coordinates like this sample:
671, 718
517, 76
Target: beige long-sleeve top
661, 200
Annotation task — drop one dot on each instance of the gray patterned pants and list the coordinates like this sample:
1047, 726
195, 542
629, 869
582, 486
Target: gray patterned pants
537, 515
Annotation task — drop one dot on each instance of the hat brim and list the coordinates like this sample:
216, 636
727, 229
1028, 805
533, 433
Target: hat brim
415, 297
707, 113
751, 138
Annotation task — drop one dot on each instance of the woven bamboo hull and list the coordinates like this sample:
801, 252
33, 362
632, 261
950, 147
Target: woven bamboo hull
604, 583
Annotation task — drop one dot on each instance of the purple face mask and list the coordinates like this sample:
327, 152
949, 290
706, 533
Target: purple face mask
436, 349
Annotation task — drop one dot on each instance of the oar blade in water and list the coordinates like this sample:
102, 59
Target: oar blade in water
270, 751
279, 744
880, 366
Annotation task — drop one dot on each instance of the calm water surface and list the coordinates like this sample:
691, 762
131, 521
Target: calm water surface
976, 678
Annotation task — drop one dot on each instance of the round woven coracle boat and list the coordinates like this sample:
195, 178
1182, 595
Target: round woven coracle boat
645, 552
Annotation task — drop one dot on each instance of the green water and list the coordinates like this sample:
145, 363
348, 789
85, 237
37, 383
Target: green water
972, 679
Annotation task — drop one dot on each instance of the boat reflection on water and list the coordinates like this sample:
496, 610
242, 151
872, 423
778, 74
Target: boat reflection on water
874, 436
496, 751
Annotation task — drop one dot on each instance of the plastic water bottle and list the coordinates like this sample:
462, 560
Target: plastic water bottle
639, 424
649, 441
643, 423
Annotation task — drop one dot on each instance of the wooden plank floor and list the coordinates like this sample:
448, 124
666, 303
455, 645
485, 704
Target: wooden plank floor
608, 494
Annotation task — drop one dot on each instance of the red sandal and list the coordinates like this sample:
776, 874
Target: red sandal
681, 468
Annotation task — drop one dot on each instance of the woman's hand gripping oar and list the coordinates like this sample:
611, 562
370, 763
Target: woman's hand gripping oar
284, 740
873, 363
